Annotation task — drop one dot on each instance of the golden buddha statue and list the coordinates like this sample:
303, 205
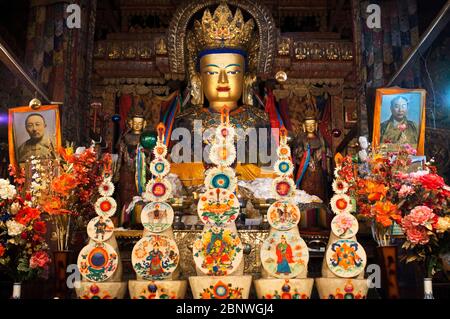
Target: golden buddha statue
222, 51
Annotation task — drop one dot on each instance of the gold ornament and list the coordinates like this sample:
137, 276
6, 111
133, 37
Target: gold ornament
222, 29
35, 104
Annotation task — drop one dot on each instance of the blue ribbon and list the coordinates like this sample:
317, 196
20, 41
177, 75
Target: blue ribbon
305, 166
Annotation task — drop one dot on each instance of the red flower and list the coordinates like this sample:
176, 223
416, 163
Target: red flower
39, 259
23, 235
2, 250
417, 235
27, 214
40, 227
432, 181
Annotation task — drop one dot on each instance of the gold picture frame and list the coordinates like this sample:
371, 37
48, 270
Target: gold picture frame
399, 119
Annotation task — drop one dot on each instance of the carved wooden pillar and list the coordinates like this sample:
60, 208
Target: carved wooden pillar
337, 114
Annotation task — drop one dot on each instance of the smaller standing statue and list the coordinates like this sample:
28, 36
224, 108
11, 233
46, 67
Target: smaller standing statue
99, 261
345, 259
155, 257
284, 254
125, 171
312, 157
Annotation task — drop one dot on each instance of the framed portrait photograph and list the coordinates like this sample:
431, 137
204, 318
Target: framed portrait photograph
33, 133
399, 119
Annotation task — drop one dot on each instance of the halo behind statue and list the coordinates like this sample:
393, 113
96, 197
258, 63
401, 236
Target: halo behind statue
265, 46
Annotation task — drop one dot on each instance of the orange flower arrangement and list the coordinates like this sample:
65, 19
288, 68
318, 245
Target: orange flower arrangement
376, 191
386, 212
64, 183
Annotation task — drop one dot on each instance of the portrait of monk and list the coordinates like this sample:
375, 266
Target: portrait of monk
39, 143
398, 129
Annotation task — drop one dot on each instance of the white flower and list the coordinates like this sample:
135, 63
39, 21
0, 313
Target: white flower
14, 208
80, 150
7, 191
363, 142
222, 154
14, 228
362, 155
339, 186
106, 188
419, 173
336, 171
341, 203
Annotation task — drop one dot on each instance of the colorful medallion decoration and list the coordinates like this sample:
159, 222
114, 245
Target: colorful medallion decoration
225, 134
346, 258
222, 290
221, 178
105, 206
106, 188
100, 228
160, 150
155, 257
160, 167
344, 225
157, 190
341, 203
218, 206
283, 215
284, 167
217, 251
97, 261
284, 255
222, 154
283, 187
157, 216
284, 151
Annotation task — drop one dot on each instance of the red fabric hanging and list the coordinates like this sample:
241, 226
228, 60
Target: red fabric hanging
125, 103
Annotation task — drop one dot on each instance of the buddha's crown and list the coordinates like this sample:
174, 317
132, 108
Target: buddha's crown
223, 30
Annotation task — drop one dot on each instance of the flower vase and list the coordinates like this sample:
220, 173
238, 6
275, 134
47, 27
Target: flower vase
387, 258
17, 290
428, 288
61, 260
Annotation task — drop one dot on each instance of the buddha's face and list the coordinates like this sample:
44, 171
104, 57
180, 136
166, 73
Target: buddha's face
310, 126
137, 124
222, 77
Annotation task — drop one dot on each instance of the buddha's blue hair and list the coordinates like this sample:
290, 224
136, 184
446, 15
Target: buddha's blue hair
221, 50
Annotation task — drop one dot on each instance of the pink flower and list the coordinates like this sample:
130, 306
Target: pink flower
417, 235
401, 127
420, 216
409, 149
39, 259
405, 190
